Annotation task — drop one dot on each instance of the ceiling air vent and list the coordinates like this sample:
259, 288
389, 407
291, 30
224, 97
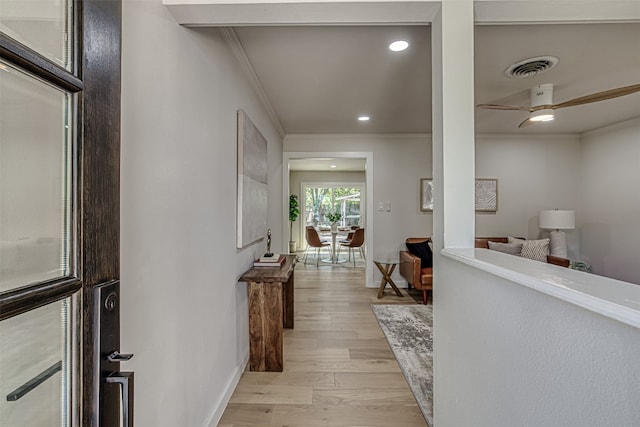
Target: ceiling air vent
531, 67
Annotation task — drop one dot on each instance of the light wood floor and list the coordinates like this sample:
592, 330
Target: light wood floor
338, 368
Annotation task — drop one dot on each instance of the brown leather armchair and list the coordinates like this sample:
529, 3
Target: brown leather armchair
419, 278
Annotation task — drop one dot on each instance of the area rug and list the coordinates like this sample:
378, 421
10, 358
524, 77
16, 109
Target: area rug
409, 331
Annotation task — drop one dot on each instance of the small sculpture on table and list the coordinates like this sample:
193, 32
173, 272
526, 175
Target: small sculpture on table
268, 253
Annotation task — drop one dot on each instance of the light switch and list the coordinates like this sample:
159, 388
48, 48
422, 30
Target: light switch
380, 206
388, 206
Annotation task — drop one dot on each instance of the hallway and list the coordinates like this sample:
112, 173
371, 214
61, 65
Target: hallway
338, 368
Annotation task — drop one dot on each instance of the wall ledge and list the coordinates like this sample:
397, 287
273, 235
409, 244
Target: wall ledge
611, 298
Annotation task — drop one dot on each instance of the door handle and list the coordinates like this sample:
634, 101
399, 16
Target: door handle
116, 357
125, 381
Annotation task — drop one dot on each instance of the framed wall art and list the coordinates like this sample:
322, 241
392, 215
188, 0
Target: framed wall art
252, 182
426, 194
486, 195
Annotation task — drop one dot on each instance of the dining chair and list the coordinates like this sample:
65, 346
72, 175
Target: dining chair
313, 241
347, 239
306, 237
356, 242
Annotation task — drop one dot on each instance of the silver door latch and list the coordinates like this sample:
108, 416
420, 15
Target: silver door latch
116, 357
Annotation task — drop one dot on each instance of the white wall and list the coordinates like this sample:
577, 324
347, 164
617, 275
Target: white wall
534, 173
399, 163
183, 314
508, 355
609, 214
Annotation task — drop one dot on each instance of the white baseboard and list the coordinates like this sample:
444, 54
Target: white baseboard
221, 405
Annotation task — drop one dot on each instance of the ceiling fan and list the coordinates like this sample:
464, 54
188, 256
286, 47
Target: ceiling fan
542, 106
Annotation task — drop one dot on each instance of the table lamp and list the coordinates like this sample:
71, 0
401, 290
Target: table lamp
558, 220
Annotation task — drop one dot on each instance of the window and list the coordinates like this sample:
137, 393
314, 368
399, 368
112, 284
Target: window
322, 199
35, 184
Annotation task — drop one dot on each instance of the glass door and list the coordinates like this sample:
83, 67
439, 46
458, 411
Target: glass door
37, 366
59, 232
322, 199
37, 339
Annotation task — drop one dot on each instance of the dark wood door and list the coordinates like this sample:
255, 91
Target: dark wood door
59, 208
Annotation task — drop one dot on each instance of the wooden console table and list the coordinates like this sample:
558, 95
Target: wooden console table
270, 309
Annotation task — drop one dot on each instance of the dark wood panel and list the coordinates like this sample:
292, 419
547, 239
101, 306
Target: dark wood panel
562, 262
99, 166
21, 300
271, 307
97, 162
265, 327
268, 275
288, 302
100, 142
256, 327
273, 327
32, 62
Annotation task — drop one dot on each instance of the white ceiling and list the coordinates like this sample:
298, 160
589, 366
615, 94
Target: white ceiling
317, 79
593, 58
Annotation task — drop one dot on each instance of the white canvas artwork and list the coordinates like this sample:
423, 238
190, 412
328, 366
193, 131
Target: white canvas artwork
252, 182
486, 195
426, 194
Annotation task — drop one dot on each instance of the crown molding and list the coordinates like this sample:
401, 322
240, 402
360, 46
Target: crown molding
518, 12
233, 41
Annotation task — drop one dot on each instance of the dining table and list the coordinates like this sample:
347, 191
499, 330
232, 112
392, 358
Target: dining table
334, 243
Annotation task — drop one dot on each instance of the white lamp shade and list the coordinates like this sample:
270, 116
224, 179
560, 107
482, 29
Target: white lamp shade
558, 219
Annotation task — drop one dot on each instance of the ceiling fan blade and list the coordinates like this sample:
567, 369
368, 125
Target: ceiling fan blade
526, 123
504, 107
599, 96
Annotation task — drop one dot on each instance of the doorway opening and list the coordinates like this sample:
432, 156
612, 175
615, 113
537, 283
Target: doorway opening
349, 190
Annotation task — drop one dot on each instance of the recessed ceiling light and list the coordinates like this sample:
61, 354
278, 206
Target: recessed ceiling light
364, 118
332, 166
399, 45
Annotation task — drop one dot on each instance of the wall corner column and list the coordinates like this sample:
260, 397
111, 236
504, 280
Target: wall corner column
453, 125
453, 141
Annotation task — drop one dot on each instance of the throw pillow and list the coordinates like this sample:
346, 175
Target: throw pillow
508, 248
422, 251
512, 239
533, 249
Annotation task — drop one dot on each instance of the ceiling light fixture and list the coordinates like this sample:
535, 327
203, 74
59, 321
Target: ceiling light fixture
364, 118
399, 45
332, 166
545, 115
541, 95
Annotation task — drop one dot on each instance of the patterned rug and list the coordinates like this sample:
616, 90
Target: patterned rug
408, 329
